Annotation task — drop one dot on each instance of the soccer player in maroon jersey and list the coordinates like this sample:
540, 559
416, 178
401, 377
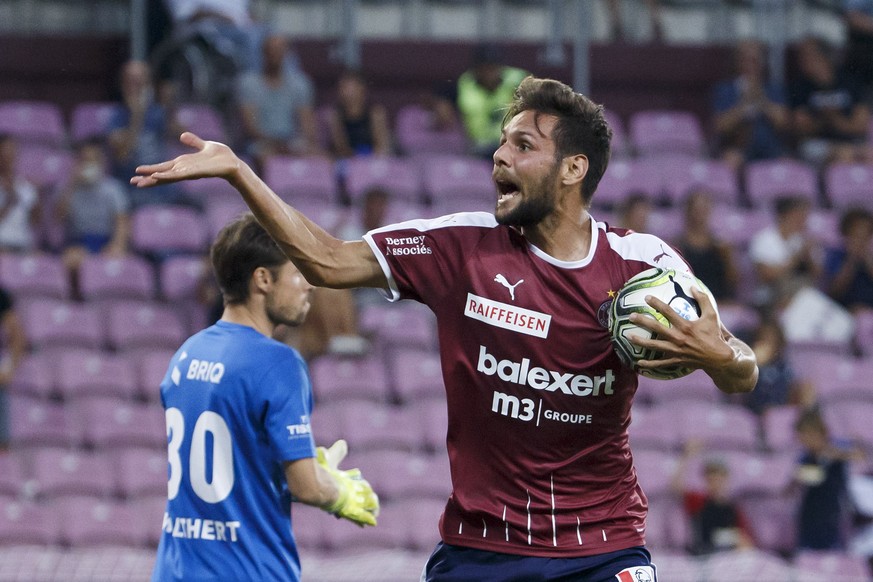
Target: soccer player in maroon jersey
539, 403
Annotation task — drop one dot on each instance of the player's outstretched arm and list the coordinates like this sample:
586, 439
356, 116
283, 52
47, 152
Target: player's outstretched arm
343, 493
324, 260
704, 344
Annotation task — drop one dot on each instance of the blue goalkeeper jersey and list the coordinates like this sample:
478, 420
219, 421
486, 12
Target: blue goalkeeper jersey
237, 405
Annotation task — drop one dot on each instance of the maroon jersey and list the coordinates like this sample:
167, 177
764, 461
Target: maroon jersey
538, 401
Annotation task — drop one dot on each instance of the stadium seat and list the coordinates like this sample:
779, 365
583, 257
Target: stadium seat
220, 214
778, 424
11, 475
46, 167
458, 177
835, 376
58, 472
35, 423
95, 522
203, 120
209, 191
772, 522
401, 211
434, 419
33, 121
140, 472
371, 426
302, 179
35, 376
308, 524
330, 216
677, 567
767, 180
625, 177
850, 419
180, 277
133, 325
422, 517
696, 386
737, 226
416, 134
34, 275
104, 277
618, 145
86, 373
752, 564
833, 565
397, 474
441, 207
655, 427
655, 471
165, 229
739, 318
751, 474
398, 176
415, 373
864, 333
27, 523
109, 423
849, 185
399, 325
722, 427
713, 176
150, 371
666, 132
667, 525
90, 120
150, 513
666, 223
337, 377
824, 226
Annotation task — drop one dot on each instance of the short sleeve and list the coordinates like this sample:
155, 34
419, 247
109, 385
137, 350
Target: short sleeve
287, 403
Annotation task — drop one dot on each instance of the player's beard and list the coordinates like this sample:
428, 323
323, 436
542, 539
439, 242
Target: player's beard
286, 316
537, 202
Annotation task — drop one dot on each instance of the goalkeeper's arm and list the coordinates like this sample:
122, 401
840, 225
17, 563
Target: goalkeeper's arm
343, 493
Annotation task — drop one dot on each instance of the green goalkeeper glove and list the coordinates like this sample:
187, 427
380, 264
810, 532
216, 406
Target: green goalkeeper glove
356, 502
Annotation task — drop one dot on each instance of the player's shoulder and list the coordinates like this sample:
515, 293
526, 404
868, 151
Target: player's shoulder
629, 245
458, 220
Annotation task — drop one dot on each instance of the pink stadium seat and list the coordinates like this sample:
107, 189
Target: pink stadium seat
666, 223
140, 473
824, 225
335, 377
150, 514
849, 185
772, 520
301, 179
404, 211
330, 216
27, 523
67, 473
422, 517
128, 277
696, 387
95, 522
434, 421
659, 132
35, 376
397, 475
751, 474
626, 177
83, 373
739, 318
747, 565
144, 325
737, 226
91, 119
220, 214
44, 166
34, 275
454, 205
655, 427
713, 176
400, 325
150, 371
677, 567
655, 472
203, 120
619, 145
864, 333
667, 525
778, 423
448, 177
371, 425
168, 229
851, 420
181, 277
416, 134
210, 191
110, 422
398, 176
836, 376
722, 426
308, 524
35, 423
767, 180
415, 373
11, 475
34, 121
833, 565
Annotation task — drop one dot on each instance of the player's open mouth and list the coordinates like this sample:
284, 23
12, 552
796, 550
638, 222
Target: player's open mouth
506, 189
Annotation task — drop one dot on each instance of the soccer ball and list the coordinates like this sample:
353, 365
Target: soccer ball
670, 286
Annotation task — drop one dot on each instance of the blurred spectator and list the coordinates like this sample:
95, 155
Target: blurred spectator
784, 254
830, 118
751, 117
357, 127
857, 61
849, 267
634, 213
14, 348
711, 259
822, 477
19, 202
717, 523
93, 208
139, 132
371, 213
482, 95
777, 383
276, 106
618, 20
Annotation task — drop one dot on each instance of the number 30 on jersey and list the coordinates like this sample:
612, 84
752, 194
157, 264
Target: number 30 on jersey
220, 486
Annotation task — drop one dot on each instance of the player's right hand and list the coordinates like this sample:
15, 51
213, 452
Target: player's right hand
357, 502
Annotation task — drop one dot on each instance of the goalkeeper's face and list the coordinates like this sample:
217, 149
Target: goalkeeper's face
289, 299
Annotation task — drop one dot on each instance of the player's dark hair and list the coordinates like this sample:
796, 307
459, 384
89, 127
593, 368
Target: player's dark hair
785, 204
581, 126
811, 419
241, 247
853, 216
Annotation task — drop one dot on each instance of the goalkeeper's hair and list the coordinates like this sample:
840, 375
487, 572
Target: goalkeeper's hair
581, 126
241, 247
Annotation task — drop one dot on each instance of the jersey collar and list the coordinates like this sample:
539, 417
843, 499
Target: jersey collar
570, 264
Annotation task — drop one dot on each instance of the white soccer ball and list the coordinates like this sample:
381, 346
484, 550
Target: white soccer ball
670, 286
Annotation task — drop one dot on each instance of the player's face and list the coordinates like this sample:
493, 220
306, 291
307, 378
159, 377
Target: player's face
525, 170
289, 300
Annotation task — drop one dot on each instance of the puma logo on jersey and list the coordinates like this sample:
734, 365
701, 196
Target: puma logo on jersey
502, 280
662, 255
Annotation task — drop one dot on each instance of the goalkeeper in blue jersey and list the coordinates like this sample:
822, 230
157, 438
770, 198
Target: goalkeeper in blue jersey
239, 443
